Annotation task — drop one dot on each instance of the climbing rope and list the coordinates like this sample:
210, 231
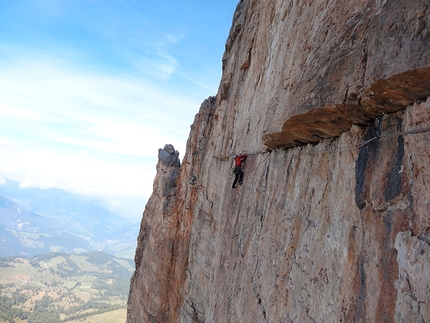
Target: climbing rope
261, 162
345, 148
409, 132
366, 142
401, 133
378, 135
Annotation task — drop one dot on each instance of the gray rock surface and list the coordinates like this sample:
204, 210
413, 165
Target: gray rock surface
331, 224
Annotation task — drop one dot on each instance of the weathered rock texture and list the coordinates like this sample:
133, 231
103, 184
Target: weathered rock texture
324, 228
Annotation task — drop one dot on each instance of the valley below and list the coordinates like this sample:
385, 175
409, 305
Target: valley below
59, 287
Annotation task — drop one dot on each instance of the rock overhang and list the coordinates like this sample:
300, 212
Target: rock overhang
384, 96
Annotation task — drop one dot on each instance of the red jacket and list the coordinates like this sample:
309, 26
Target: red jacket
239, 160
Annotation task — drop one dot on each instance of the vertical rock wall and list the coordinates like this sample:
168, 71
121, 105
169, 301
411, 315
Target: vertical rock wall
333, 231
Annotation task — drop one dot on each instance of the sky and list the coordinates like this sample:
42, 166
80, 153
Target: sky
91, 89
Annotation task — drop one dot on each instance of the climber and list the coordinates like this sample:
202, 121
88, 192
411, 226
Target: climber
237, 170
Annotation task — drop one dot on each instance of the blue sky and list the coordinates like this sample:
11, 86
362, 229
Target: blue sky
91, 89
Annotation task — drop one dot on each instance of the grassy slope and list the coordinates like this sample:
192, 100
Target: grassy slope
67, 284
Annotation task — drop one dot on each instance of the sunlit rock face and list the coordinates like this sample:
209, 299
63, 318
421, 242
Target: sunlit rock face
332, 221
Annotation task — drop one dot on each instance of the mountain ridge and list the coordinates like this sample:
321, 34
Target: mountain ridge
54, 220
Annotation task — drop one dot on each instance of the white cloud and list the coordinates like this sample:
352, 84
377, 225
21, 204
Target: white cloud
16, 112
153, 57
80, 173
5, 142
85, 132
113, 113
159, 67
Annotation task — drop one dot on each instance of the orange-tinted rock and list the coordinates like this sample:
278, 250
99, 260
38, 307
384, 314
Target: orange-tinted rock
384, 96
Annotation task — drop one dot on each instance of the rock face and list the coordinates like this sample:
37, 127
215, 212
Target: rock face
332, 223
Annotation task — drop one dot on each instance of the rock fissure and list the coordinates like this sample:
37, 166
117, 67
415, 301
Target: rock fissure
411, 290
263, 311
415, 299
424, 239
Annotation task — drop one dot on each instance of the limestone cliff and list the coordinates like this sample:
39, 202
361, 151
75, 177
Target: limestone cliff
332, 223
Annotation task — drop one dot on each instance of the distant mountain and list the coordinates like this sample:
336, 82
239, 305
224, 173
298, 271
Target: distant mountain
15, 217
35, 221
27, 233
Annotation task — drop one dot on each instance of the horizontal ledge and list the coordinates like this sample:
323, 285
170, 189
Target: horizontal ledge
384, 96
